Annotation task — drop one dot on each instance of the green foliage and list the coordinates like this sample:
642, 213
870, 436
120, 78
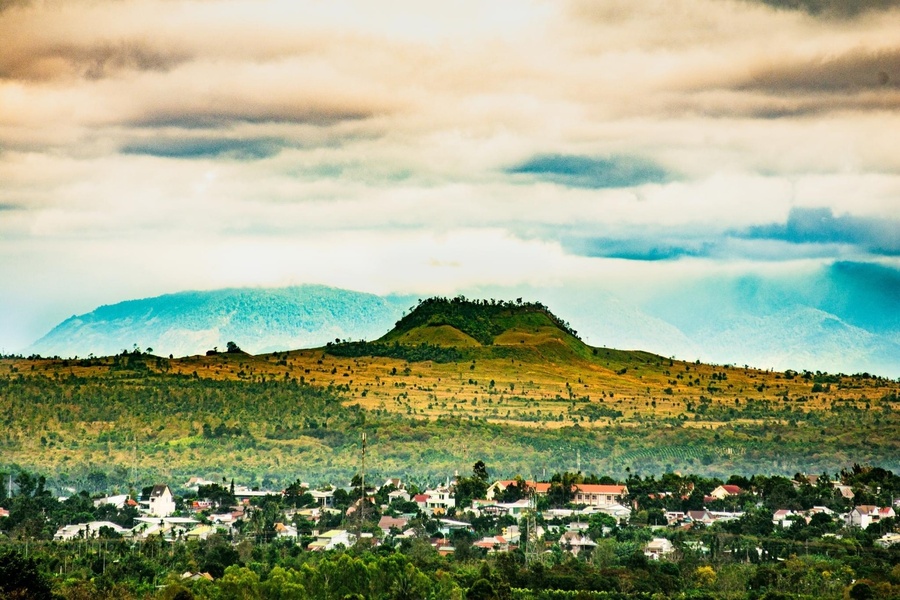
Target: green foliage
20, 577
408, 352
482, 320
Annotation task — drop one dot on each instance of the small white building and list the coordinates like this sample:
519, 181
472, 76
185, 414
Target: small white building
162, 502
575, 542
659, 548
85, 530
117, 501
332, 539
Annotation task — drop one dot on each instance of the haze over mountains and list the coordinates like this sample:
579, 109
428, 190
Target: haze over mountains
843, 318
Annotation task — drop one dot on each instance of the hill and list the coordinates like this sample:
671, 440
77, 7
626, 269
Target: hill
260, 320
453, 382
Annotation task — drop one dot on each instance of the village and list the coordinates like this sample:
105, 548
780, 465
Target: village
535, 517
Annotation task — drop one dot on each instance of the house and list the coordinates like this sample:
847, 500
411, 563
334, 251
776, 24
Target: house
169, 528
3, 513
421, 500
497, 487
700, 516
283, 530
659, 548
86, 530
393, 481
117, 501
446, 526
439, 500
864, 515
332, 539
599, 495
785, 517
200, 532
575, 542
162, 502
725, 491
243, 494
398, 495
673, 517
386, 523
515, 509
888, 540
845, 491
617, 511
325, 498
194, 483
495, 543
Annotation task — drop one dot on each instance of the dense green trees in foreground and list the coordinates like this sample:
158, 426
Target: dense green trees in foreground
615, 569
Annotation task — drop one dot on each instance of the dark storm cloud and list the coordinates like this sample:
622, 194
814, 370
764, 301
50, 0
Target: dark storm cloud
251, 149
7, 4
832, 8
591, 172
853, 71
820, 226
199, 117
95, 61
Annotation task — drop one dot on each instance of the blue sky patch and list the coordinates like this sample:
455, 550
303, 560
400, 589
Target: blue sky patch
251, 149
592, 172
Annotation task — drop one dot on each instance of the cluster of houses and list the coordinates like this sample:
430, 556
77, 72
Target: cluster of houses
158, 516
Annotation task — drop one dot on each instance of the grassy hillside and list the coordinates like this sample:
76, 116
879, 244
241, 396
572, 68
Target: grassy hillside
514, 387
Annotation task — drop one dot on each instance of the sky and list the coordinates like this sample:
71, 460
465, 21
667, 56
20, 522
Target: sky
153, 146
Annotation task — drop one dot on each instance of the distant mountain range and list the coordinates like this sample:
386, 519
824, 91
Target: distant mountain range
259, 320
843, 317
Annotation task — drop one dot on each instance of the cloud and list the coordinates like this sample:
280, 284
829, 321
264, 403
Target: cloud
591, 172
91, 61
851, 71
820, 226
832, 8
7, 4
242, 149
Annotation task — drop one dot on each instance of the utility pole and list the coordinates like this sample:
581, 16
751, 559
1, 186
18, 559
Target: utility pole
362, 485
532, 552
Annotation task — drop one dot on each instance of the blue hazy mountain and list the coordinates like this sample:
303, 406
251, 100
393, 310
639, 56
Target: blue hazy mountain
257, 319
843, 317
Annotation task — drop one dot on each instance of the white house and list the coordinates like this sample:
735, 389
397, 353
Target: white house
332, 539
439, 500
117, 501
162, 502
85, 530
864, 515
599, 495
398, 495
575, 542
659, 548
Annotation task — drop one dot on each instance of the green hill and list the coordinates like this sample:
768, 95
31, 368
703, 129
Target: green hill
482, 320
455, 329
